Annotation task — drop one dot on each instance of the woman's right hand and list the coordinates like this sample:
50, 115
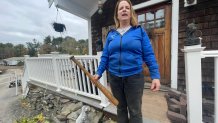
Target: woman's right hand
96, 77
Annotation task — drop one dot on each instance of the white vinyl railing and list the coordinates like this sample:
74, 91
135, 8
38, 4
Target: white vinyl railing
193, 56
214, 54
60, 72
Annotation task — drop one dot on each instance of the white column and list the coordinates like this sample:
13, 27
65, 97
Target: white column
55, 66
174, 43
193, 82
216, 88
26, 68
90, 36
103, 81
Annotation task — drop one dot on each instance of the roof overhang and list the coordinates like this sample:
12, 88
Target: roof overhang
82, 8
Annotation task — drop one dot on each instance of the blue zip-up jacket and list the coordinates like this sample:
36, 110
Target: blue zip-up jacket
123, 55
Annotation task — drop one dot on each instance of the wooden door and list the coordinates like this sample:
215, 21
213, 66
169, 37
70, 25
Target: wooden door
156, 21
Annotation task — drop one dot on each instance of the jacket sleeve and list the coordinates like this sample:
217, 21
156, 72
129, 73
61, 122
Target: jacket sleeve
149, 57
104, 59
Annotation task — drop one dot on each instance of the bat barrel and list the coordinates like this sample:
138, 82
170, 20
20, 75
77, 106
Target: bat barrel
96, 83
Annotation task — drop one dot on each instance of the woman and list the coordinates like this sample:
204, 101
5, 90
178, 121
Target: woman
126, 49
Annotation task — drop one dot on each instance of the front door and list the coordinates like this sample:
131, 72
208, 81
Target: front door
156, 21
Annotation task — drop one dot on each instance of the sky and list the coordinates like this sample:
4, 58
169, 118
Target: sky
22, 21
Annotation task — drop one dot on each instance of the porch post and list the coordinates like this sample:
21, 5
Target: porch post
174, 43
90, 36
26, 66
54, 62
216, 88
193, 77
103, 81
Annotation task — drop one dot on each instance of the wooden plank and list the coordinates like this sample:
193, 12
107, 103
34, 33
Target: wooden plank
167, 57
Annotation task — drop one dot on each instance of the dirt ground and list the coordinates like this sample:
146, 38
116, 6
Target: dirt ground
154, 106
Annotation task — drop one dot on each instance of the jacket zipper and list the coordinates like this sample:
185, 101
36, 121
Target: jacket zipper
120, 54
121, 36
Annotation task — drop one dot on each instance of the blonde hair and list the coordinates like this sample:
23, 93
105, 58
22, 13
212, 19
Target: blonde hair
133, 19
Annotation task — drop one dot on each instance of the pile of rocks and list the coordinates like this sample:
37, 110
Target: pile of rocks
60, 109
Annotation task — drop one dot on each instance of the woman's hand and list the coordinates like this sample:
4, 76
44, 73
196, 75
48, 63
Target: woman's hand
96, 77
155, 85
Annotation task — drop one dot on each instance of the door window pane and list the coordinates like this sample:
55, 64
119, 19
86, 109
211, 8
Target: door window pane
143, 25
160, 23
160, 13
141, 18
150, 25
149, 16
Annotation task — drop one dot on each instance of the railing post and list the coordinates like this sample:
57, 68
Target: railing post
193, 77
26, 77
103, 81
54, 62
26, 66
216, 88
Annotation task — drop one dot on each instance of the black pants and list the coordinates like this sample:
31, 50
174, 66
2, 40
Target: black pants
128, 91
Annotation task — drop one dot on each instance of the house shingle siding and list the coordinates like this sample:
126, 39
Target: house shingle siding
205, 15
105, 19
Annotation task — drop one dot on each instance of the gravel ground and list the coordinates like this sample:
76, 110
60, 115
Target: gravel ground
9, 102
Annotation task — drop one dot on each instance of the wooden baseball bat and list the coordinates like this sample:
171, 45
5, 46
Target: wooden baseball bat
96, 83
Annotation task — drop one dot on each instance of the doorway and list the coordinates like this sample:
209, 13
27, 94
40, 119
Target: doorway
156, 20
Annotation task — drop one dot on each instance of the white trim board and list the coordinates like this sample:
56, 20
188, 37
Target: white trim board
174, 35
148, 3
90, 36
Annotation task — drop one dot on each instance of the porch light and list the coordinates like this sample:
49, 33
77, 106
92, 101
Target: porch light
100, 5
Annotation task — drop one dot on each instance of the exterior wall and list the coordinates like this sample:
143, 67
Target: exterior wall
205, 15
105, 19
